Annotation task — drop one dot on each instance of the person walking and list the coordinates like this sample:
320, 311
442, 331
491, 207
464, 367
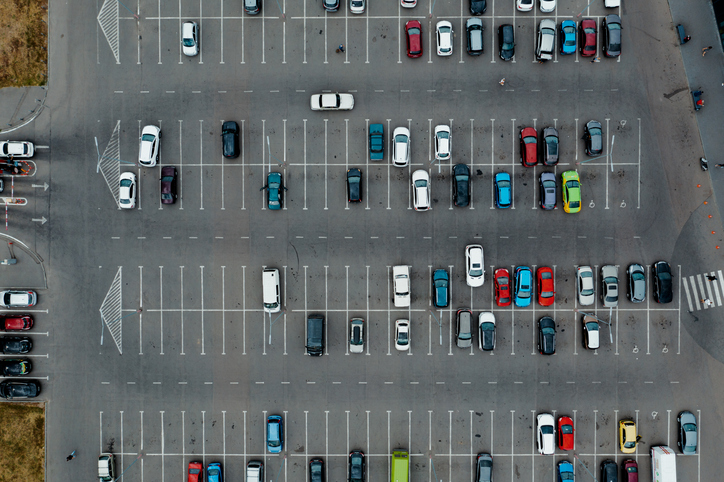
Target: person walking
70, 457
707, 302
711, 277
595, 59
705, 50
502, 81
687, 38
341, 47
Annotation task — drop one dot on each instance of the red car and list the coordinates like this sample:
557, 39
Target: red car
546, 287
502, 287
587, 40
16, 322
196, 472
631, 469
528, 146
413, 28
565, 433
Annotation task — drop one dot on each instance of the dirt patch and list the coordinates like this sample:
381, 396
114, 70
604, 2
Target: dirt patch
22, 442
23, 43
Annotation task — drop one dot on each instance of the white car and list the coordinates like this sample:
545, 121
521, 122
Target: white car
525, 5
190, 39
401, 281
356, 335
357, 6
546, 434
335, 101
591, 332
18, 298
408, 3
612, 3
486, 331
586, 293
401, 147
474, 265
421, 190
402, 335
22, 149
444, 38
149, 147
547, 6
127, 191
442, 142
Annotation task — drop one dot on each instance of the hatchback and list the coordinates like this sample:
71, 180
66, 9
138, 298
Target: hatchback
196, 472
568, 37
474, 265
523, 286
413, 29
401, 147
486, 331
402, 335
565, 471
663, 290
274, 191
18, 298
484, 468
503, 190
611, 28
356, 335
13, 322
630, 470
545, 434
127, 190
593, 136
565, 433
477, 7
168, 185
501, 279
461, 185
627, 438
316, 470
230, 139
354, 185
274, 434
474, 32
464, 329
549, 145
528, 146
687, 432
421, 190
149, 146
440, 288
609, 471
213, 472
609, 286
548, 195
442, 143
546, 40
571, 192
356, 466
444, 32
587, 37
546, 286
190, 39
252, 7
17, 149
584, 282
591, 332
377, 142
506, 42
546, 336
636, 283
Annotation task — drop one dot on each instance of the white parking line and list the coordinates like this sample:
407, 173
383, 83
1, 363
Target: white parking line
326, 309
346, 155
325, 163
512, 174
389, 161
243, 304
201, 161
160, 297
159, 32
140, 315
203, 345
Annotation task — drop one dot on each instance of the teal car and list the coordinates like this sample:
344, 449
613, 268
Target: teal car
213, 472
274, 191
565, 471
377, 142
274, 434
441, 288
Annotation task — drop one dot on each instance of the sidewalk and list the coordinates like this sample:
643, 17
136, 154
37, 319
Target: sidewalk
19, 106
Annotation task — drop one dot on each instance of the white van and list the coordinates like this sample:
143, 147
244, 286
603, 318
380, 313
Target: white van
270, 286
663, 464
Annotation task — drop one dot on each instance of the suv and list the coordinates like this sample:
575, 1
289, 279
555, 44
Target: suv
18, 298
464, 329
546, 39
440, 288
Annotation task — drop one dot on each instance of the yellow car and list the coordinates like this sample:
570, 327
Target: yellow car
627, 438
571, 192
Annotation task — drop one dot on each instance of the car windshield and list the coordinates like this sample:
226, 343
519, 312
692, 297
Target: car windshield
476, 270
546, 294
529, 140
689, 427
552, 142
149, 137
440, 283
589, 30
188, 42
401, 138
503, 184
502, 281
547, 31
614, 26
402, 338
167, 179
548, 331
487, 326
126, 183
357, 3
443, 135
413, 31
567, 429
353, 180
629, 445
592, 326
572, 184
632, 470
546, 429
421, 183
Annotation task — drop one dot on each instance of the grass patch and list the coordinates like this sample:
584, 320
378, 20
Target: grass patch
23, 43
22, 442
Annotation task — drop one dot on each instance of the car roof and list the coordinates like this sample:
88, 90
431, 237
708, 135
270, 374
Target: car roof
547, 23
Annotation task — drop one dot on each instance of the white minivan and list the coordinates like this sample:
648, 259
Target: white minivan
270, 287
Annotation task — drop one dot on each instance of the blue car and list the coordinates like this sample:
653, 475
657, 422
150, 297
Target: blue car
565, 471
440, 288
568, 37
377, 142
274, 191
523, 286
213, 472
274, 434
503, 190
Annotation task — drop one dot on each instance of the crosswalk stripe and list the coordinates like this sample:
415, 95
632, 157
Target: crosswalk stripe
716, 290
721, 284
688, 294
701, 287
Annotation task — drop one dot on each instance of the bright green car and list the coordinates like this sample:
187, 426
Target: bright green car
571, 192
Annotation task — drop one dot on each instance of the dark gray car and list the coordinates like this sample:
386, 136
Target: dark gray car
506, 42
593, 136
230, 139
474, 30
687, 432
611, 29
464, 329
636, 283
546, 336
609, 471
549, 144
547, 183
484, 471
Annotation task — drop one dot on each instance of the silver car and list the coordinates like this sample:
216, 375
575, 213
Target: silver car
464, 329
687, 432
636, 283
586, 293
609, 286
547, 183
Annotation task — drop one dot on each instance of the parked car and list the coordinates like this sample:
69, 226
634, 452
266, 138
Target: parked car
588, 38
255, 471
525, 5
401, 147
17, 149
168, 185
546, 286
503, 190
609, 471
523, 286
252, 7
401, 281
549, 144
357, 6
547, 6
149, 146
461, 185
442, 142
477, 7
274, 434
195, 472
444, 31
464, 328
230, 139
687, 432
571, 192
127, 190
565, 471
474, 265
213, 472
568, 37
354, 185
584, 279
330, 5
486, 331
18, 298
413, 31
190, 38
593, 137
627, 438
402, 335
474, 32
275, 191
506, 42
440, 288
408, 3
356, 466
502, 287
565, 433
545, 434
15, 345
356, 335
421, 190
611, 28
591, 332
663, 285
609, 286
377, 142
630, 470
15, 367
546, 336
546, 40
13, 322
547, 187
484, 468
316, 470
636, 283
332, 101
528, 146
19, 389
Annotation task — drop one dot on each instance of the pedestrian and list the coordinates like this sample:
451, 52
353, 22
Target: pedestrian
708, 303
711, 277
687, 38
70, 457
705, 50
502, 81
700, 103
341, 47
595, 59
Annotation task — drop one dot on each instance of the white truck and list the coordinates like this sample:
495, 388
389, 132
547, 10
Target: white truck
663, 464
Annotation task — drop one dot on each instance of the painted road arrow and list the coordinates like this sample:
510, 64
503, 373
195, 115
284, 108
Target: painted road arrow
44, 186
41, 220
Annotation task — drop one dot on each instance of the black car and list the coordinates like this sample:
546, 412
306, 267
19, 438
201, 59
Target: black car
2, 184
330, 5
474, 32
461, 185
252, 7
609, 471
663, 286
316, 470
15, 345
546, 336
168, 185
547, 196
611, 31
19, 389
13, 367
354, 185
549, 146
506, 41
230, 139
477, 7
356, 466
593, 136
